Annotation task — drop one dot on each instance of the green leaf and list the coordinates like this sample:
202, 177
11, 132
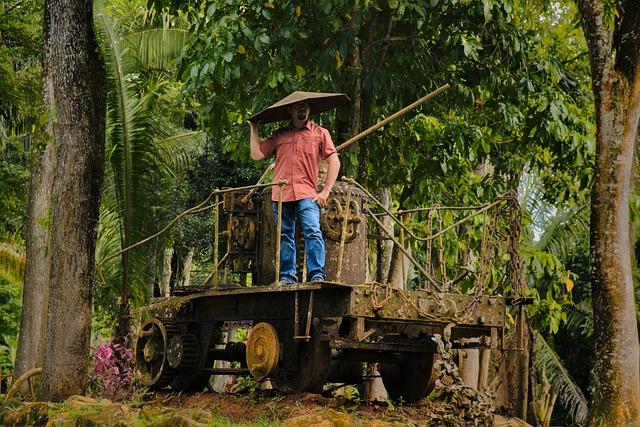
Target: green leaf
265, 39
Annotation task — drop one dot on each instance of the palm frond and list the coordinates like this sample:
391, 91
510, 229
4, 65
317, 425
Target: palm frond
564, 230
180, 150
155, 48
569, 394
12, 259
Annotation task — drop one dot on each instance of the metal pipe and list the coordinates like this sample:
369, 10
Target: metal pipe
216, 241
279, 231
404, 251
392, 117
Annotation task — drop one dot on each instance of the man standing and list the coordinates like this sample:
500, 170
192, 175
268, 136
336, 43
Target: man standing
299, 148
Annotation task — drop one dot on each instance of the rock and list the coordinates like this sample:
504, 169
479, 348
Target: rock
324, 418
77, 402
28, 414
186, 418
103, 418
501, 421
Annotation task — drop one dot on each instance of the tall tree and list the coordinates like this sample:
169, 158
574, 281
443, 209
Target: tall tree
75, 95
614, 46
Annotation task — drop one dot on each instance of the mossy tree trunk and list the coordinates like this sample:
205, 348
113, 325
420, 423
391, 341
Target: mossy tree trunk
74, 76
35, 294
615, 70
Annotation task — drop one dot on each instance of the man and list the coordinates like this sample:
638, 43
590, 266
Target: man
299, 148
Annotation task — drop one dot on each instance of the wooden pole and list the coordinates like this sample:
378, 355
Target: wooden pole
392, 117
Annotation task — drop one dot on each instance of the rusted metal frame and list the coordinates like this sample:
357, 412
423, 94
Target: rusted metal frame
443, 264
404, 251
395, 347
296, 315
422, 239
429, 266
216, 241
278, 232
309, 316
343, 235
195, 209
307, 332
482, 277
436, 207
402, 242
304, 265
228, 235
392, 117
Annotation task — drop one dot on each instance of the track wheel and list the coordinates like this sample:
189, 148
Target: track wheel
151, 355
263, 351
410, 380
314, 361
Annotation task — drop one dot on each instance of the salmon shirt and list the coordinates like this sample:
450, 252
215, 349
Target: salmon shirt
298, 153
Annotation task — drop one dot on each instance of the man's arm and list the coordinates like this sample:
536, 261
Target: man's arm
254, 141
333, 163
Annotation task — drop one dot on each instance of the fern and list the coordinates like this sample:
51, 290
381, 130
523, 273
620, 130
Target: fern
569, 394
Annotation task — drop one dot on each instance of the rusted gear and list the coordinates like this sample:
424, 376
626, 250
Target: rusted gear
182, 351
332, 220
410, 380
263, 351
151, 354
314, 361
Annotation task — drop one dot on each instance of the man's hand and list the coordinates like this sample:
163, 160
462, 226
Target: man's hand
254, 141
322, 197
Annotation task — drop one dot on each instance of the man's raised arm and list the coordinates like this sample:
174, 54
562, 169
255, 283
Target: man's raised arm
254, 141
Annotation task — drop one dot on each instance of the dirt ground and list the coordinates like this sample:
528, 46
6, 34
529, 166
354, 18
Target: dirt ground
270, 407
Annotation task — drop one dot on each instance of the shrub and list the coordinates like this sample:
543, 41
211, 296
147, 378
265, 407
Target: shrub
112, 376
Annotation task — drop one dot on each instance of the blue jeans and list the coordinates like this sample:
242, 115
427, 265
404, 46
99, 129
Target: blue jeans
309, 213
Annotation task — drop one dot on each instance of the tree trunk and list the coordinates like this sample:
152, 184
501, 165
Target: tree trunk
165, 285
615, 374
615, 70
122, 330
36, 280
186, 268
75, 74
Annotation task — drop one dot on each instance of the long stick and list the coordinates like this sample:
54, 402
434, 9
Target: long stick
365, 133
392, 117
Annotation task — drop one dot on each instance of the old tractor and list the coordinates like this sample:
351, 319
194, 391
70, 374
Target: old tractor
304, 335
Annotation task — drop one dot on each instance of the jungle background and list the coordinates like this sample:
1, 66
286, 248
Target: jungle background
181, 79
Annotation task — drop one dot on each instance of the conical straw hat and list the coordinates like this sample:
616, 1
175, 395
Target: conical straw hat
318, 102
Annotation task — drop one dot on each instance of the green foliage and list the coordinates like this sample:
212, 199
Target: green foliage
569, 393
10, 307
146, 149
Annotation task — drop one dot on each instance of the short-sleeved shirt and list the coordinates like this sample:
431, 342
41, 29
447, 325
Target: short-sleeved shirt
298, 153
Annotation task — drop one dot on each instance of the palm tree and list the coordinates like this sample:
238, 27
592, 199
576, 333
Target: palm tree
143, 150
555, 230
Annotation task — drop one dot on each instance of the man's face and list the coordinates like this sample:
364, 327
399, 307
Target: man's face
299, 111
